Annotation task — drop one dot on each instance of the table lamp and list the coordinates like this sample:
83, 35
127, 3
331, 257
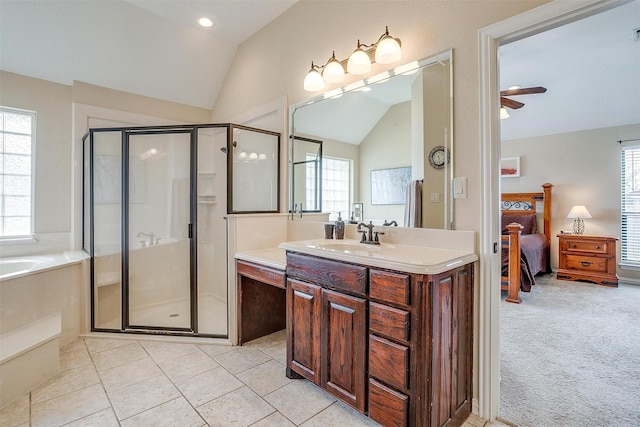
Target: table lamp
577, 213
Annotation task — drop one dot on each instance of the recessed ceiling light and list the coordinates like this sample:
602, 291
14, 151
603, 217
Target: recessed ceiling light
205, 22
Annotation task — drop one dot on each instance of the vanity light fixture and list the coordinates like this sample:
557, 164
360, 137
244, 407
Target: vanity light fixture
384, 51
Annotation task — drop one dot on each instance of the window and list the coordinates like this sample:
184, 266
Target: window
336, 186
630, 209
17, 130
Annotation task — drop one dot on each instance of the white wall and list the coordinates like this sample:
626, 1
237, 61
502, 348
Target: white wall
388, 145
584, 168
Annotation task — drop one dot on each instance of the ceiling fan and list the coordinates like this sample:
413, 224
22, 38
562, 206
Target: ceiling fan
514, 105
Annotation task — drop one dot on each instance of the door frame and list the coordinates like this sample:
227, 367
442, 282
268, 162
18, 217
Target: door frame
543, 18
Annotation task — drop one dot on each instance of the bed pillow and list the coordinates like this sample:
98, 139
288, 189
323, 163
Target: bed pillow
529, 223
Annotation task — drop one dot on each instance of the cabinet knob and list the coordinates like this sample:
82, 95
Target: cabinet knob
597, 246
573, 245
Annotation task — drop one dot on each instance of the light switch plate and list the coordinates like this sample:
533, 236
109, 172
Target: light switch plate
460, 187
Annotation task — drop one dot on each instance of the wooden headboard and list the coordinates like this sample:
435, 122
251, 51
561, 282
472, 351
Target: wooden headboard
526, 204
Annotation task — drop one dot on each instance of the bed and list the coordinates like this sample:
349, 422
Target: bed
525, 240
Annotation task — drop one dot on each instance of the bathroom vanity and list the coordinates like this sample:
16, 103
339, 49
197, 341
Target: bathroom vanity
387, 329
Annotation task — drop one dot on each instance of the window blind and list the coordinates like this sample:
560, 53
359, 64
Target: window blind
630, 209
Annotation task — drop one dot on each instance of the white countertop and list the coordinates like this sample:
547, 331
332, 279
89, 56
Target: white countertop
408, 258
271, 257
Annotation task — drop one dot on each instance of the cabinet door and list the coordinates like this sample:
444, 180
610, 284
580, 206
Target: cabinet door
303, 329
343, 347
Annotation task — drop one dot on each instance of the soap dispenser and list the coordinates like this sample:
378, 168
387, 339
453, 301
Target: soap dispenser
339, 227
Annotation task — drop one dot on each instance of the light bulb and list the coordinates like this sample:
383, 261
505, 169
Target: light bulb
333, 71
253, 156
243, 155
262, 156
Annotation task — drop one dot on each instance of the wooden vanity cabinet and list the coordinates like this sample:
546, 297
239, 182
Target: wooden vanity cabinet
397, 346
326, 326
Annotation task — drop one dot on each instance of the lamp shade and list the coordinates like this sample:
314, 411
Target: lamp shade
333, 71
578, 211
388, 50
359, 62
313, 81
504, 114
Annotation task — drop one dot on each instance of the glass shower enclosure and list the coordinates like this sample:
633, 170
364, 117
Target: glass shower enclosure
155, 200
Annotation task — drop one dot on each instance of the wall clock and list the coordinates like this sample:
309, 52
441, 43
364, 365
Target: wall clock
437, 157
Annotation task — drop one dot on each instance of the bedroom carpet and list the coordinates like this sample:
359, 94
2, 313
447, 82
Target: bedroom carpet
570, 355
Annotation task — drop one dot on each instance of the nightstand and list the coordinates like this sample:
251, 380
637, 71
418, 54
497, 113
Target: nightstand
591, 258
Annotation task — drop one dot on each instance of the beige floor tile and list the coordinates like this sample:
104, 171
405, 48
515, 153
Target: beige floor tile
339, 415
474, 421
278, 352
74, 359
65, 382
104, 418
97, 345
176, 412
265, 378
164, 351
137, 398
241, 407
274, 420
126, 375
75, 345
118, 356
269, 340
299, 400
16, 413
241, 359
207, 386
69, 407
214, 350
188, 366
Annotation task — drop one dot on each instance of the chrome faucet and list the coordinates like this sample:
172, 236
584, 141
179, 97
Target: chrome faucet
387, 224
369, 237
151, 236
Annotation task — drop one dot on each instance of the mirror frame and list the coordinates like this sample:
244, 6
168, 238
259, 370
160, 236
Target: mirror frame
407, 68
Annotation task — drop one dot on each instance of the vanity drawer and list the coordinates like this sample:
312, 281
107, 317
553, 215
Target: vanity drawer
389, 287
390, 322
261, 273
586, 263
332, 274
389, 362
387, 406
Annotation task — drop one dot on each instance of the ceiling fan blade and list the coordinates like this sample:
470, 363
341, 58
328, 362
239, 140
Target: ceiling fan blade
523, 91
510, 103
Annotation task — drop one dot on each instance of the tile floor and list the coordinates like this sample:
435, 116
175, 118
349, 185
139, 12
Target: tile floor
118, 382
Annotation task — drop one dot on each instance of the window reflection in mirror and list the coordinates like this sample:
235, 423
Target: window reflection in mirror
388, 121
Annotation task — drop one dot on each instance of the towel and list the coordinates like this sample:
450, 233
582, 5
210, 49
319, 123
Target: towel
413, 205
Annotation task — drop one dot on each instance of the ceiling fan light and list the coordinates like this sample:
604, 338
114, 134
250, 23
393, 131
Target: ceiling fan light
504, 114
388, 50
333, 71
359, 62
313, 80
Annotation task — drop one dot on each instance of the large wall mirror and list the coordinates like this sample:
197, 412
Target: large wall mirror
378, 136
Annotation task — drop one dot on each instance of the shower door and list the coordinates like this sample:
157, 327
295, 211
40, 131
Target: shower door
158, 230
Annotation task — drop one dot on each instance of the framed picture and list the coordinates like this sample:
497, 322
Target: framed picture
510, 167
389, 186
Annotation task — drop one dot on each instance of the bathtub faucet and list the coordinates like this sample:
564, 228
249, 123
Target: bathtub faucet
151, 236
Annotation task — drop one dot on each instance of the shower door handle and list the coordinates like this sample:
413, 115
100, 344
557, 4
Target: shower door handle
189, 232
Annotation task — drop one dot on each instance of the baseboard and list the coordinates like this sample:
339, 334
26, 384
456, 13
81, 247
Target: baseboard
628, 281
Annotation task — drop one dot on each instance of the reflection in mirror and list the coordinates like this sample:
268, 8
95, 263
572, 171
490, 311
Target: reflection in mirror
385, 123
306, 174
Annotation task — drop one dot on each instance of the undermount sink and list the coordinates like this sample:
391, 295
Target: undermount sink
345, 246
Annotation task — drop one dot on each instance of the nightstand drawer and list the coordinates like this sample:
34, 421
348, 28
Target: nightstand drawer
587, 246
586, 263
